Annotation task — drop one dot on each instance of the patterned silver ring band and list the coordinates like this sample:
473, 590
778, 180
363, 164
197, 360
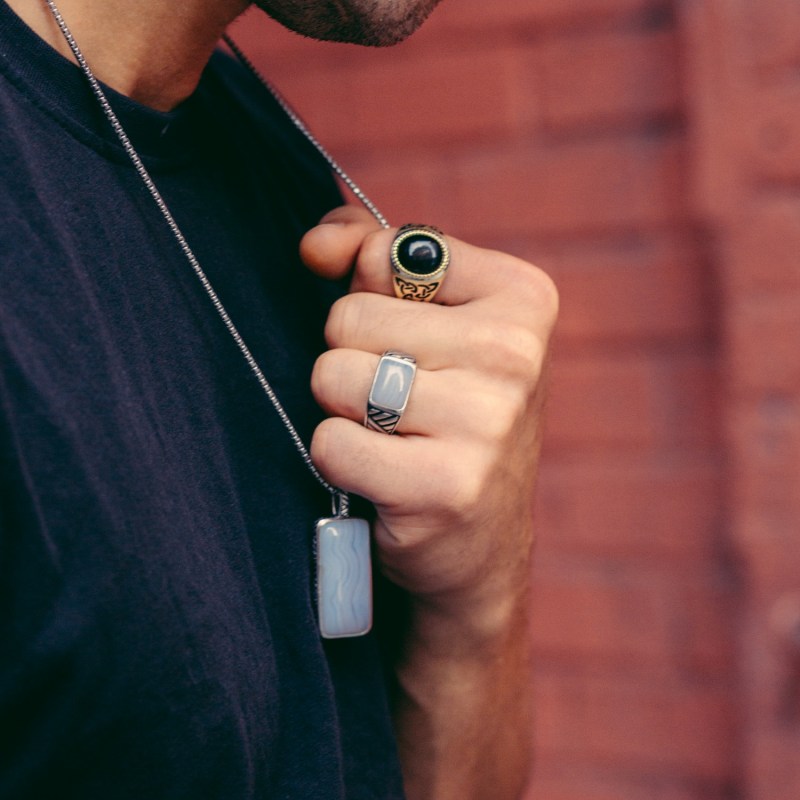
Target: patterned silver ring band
391, 387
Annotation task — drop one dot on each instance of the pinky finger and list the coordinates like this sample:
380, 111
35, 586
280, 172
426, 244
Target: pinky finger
384, 469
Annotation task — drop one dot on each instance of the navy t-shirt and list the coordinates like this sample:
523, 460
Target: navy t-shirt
157, 629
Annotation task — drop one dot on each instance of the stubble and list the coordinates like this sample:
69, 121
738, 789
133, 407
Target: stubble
374, 23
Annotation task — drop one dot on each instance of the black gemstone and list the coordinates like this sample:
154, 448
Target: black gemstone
420, 254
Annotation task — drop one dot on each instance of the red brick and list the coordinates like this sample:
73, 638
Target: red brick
597, 78
690, 391
714, 77
775, 766
412, 189
268, 43
767, 544
604, 402
760, 250
770, 672
615, 719
586, 187
569, 780
766, 438
629, 403
553, 156
482, 205
748, 102
406, 190
773, 127
633, 618
639, 509
384, 102
477, 14
643, 288
763, 335
775, 32
431, 82
705, 640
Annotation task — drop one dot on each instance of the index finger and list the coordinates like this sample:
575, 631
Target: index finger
349, 237
331, 247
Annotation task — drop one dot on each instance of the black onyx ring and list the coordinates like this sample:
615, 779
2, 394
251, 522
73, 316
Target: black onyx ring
420, 257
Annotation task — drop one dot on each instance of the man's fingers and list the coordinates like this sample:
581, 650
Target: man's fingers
350, 237
474, 273
331, 248
438, 337
386, 470
373, 272
439, 403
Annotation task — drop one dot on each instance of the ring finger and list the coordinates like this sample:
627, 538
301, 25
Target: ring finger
342, 379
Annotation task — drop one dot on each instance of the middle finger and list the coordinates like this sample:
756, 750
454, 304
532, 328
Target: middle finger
437, 336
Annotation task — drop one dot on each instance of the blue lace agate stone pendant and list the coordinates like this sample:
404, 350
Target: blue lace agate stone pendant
344, 577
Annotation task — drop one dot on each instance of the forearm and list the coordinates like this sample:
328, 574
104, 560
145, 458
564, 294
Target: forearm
463, 707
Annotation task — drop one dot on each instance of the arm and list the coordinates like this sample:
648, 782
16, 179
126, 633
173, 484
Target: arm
452, 492
463, 713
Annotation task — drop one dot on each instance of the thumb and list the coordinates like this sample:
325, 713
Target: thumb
331, 248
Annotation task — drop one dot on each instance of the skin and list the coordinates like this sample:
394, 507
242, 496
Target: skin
453, 489
154, 51
365, 22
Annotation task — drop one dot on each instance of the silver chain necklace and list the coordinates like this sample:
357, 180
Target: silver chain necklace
340, 540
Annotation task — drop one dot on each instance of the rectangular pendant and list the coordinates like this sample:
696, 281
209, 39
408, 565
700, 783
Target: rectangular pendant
344, 577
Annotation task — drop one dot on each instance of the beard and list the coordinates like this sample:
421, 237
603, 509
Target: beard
374, 23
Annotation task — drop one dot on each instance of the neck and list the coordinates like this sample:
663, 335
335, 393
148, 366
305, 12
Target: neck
153, 51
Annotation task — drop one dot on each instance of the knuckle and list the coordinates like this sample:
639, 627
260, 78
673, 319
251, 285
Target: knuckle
460, 488
323, 376
535, 288
321, 444
523, 346
483, 337
326, 447
353, 317
469, 492
530, 355
545, 295
342, 318
372, 256
335, 322
373, 247
500, 414
509, 348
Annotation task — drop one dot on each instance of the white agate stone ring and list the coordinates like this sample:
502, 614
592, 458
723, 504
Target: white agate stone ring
391, 387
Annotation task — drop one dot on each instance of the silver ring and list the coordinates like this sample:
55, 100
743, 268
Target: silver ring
391, 387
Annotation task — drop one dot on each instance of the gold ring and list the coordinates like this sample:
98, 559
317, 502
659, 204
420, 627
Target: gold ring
419, 257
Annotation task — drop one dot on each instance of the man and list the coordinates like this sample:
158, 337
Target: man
158, 634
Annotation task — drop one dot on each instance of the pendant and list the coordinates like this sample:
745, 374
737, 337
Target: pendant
344, 577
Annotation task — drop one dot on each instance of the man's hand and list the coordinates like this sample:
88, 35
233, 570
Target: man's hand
452, 490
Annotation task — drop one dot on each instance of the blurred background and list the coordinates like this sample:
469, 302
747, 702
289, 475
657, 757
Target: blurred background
646, 153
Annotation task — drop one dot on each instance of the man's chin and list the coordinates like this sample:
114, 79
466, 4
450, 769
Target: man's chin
362, 22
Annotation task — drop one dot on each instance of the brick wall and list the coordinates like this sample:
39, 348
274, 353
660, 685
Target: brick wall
647, 154
745, 100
